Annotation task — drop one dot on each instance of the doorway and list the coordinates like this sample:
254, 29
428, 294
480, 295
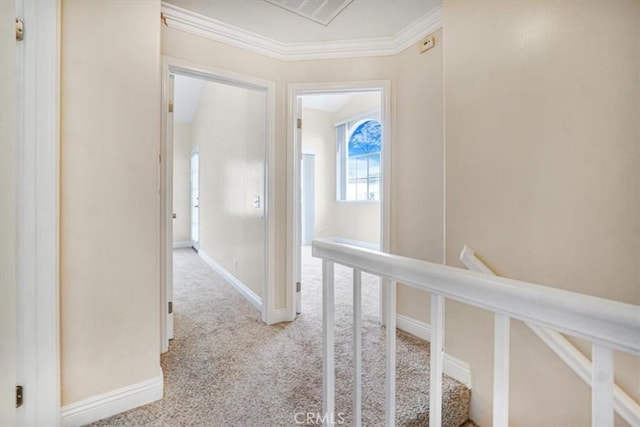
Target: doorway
227, 145
346, 128
194, 193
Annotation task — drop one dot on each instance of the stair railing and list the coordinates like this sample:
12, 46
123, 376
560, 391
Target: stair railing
608, 325
623, 404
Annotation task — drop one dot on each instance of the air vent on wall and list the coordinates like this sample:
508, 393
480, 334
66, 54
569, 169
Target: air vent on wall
320, 11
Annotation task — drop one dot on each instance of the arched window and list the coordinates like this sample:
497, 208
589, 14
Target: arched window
359, 147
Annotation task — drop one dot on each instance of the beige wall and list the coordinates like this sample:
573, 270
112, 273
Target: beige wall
417, 177
229, 131
109, 207
199, 50
526, 98
542, 177
182, 181
352, 220
416, 145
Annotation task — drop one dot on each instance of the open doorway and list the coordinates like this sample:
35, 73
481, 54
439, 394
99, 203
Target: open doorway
194, 199
340, 179
216, 151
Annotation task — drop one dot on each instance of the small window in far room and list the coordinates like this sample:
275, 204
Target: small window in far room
359, 144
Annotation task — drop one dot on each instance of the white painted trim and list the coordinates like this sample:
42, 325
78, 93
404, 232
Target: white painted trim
328, 343
9, 176
564, 349
453, 367
293, 172
112, 403
166, 212
602, 321
390, 352
244, 290
185, 244
204, 26
38, 219
501, 369
279, 315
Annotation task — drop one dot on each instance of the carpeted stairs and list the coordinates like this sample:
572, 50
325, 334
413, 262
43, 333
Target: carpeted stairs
226, 368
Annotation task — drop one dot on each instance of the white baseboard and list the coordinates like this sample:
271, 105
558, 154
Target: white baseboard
114, 402
233, 281
414, 327
455, 368
185, 244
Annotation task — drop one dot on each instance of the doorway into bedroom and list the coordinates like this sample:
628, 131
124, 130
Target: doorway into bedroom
214, 194
341, 146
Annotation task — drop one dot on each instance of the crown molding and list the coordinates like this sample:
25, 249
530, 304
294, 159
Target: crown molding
185, 20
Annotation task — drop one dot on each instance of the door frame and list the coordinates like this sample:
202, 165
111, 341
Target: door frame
38, 195
170, 66
294, 155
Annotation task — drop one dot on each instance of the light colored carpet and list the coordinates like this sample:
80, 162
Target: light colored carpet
226, 368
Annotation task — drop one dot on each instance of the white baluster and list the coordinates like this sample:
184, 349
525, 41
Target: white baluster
357, 347
390, 379
602, 387
328, 364
437, 360
501, 342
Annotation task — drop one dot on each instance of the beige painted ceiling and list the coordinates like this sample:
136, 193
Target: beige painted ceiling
361, 19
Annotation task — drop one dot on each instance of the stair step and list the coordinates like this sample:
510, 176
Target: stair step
412, 388
412, 385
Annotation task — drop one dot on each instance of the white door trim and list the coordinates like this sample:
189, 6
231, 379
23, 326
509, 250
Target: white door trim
8, 213
38, 213
177, 66
293, 171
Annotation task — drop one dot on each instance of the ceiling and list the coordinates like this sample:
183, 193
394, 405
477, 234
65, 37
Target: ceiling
354, 28
360, 19
328, 102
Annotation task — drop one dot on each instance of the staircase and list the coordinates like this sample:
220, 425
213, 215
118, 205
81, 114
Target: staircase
609, 325
411, 354
412, 386
412, 383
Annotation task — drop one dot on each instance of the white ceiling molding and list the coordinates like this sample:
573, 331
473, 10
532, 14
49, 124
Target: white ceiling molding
185, 20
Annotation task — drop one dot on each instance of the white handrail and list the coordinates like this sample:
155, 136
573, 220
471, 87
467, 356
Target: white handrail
624, 405
607, 324
610, 323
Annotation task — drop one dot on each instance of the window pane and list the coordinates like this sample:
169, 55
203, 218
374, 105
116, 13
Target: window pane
366, 138
374, 189
352, 169
361, 157
374, 165
361, 168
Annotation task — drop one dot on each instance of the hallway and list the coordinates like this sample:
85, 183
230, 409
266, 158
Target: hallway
226, 368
